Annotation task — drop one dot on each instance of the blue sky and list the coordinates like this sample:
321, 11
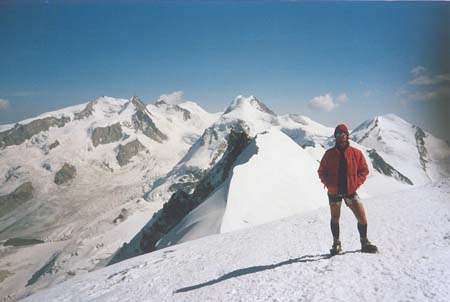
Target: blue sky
334, 62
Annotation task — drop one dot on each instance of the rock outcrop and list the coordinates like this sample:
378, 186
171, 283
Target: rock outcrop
87, 111
142, 121
420, 143
53, 145
181, 203
66, 173
20, 195
128, 151
20, 133
106, 135
383, 167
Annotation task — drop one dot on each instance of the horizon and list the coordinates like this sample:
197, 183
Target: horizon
168, 101
334, 62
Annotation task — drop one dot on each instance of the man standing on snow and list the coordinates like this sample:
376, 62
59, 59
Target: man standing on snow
343, 170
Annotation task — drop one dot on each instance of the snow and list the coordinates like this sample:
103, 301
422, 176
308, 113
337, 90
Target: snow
248, 109
273, 179
272, 183
394, 139
302, 129
287, 260
266, 184
76, 220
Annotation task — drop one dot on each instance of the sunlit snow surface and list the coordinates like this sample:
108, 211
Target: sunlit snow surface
287, 260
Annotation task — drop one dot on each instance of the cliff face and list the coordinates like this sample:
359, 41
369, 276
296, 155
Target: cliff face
181, 203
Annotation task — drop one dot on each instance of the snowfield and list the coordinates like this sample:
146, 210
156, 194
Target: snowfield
286, 260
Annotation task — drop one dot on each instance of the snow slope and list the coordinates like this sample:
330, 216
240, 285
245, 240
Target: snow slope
276, 176
287, 260
415, 153
272, 178
85, 221
83, 224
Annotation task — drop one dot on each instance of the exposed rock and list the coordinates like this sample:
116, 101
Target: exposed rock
49, 267
264, 108
13, 173
420, 143
126, 152
47, 166
253, 101
366, 135
184, 186
53, 145
21, 242
181, 203
175, 107
383, 167
122, 216
21, 194
107, 167
87, 111
140, 106
3, 275
66, 173
188, 180
20, 133
141, 120
299, 136
106, 135
160, 103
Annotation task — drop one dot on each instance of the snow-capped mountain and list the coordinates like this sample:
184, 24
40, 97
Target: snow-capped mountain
74, 179
288, 260
416, 153
280, 160
108, 180
247, 198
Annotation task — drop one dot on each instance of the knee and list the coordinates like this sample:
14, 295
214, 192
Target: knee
335, 219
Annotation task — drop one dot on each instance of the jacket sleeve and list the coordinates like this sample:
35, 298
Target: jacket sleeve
323, 170
363, 170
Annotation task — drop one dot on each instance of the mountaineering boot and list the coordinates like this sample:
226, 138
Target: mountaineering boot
336, 248
368, 247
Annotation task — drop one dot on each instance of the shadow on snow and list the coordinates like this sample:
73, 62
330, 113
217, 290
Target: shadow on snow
260, 268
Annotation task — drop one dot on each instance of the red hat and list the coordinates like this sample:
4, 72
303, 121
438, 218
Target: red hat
341, 128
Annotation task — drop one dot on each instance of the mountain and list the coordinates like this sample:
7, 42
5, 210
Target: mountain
91, 185
247, 198
287, 150
287, 260
415, 152
73, 180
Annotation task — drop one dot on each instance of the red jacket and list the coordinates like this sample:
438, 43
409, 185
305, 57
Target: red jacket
357, 170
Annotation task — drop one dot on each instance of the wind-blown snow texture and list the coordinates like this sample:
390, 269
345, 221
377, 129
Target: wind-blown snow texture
286, 260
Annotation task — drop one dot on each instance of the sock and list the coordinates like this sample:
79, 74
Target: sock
335, 230
362, 228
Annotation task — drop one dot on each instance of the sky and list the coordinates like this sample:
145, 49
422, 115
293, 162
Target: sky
335, 62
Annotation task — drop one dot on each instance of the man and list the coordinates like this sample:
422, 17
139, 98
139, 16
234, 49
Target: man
343, 170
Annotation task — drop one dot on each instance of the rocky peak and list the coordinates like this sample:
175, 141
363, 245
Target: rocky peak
136, 101
160, 103
142, 120
173, 107
87, 111
248, 103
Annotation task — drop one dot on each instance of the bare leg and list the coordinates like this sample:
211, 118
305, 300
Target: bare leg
335, 211
359, 212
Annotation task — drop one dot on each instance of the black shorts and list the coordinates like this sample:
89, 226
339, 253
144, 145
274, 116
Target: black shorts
349, 199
